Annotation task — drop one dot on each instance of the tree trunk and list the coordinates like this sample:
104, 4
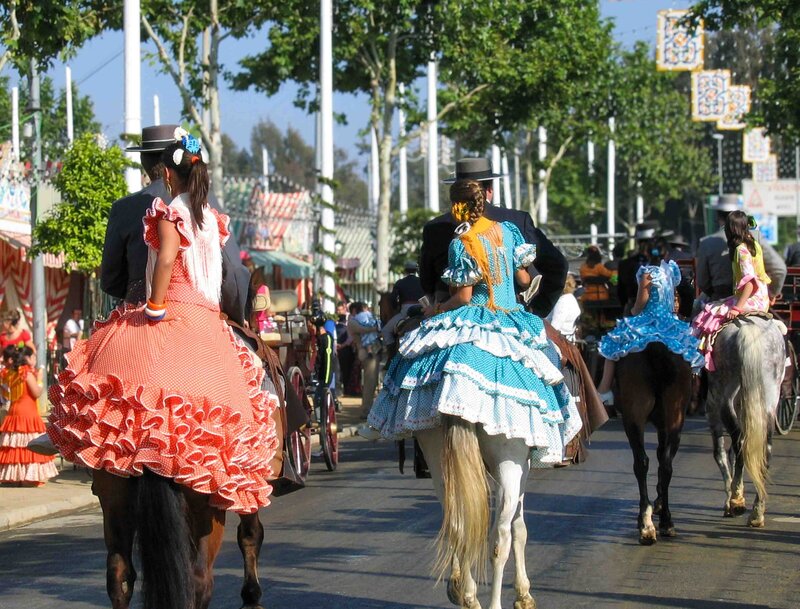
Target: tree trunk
215, 135
549, 172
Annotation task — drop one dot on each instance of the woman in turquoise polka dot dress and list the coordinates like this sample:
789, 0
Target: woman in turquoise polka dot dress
480, 356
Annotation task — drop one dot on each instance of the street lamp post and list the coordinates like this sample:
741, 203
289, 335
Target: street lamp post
719, 137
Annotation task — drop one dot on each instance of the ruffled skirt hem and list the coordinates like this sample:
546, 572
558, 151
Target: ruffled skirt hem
28, 472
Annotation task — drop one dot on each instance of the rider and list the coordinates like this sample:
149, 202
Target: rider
646, 253
480, 356
406, 293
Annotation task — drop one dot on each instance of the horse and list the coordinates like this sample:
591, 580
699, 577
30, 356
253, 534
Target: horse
460, 454
743, 393
653, 385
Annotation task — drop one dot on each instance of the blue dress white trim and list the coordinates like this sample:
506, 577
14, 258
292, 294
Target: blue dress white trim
656, 323
495, 368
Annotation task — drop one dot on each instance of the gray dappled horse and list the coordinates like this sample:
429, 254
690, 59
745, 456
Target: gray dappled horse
749, 356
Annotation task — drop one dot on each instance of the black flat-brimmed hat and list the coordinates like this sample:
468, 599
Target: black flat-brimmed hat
478, 169
155, 139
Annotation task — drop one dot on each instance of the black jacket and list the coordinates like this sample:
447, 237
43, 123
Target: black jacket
122, 271
550, 262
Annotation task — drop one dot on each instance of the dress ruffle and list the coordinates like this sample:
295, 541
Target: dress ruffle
161, 211
105, 422
28, 472
524, 255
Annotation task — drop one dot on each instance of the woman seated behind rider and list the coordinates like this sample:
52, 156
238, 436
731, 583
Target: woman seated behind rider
480, 356
595, 275
653, 320
750, 282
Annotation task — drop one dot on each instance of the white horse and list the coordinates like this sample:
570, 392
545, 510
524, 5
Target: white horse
743, 395
460, 455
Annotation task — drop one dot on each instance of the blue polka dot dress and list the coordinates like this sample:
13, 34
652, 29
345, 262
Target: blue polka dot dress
492, 367
656, 323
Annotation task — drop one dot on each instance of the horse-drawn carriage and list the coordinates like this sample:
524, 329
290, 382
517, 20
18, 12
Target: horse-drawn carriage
294, 339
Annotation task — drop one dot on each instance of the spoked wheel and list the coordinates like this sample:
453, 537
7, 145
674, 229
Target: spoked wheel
328, 432
300, 440
790, 395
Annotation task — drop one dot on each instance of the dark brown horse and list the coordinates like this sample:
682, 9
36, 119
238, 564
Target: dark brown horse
654, 386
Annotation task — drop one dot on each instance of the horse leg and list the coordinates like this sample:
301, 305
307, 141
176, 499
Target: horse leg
641, 463
720, 455
507, 460
461, 587
668, 442
519, 536
250, 536
207, 525
756, 519
118, 500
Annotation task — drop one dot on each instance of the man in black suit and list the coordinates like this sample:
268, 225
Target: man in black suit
646, 252
437, 234
122, 271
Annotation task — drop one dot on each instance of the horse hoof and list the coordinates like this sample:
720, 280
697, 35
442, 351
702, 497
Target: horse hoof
667, 532
647, 536
525, 602
454, 594
471, 603
738, 506
756, 522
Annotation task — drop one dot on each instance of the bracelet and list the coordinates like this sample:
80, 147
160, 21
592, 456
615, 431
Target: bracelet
437, 308
152, 315
156, 307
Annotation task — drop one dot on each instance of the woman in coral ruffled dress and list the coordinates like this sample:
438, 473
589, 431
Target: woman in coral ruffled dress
167, 388
23, 422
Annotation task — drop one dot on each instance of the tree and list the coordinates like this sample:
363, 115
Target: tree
407, 236
376, 46
659, 149
90, 180
779, 92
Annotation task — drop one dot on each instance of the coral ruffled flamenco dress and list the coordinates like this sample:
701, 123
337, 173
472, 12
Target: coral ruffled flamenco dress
180, 396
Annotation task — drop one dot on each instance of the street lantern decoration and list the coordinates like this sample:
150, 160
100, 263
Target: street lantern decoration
737, 105
766, 171
678, 48
710, 94
756, 146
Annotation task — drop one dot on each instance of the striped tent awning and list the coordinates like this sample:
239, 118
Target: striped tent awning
21, 241
290, 265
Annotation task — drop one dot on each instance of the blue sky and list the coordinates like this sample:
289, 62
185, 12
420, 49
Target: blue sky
98, 71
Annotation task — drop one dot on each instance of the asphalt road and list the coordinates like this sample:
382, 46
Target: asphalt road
360, 538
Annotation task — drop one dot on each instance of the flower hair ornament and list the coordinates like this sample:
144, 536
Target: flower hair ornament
189, 144
751, 223
460, 211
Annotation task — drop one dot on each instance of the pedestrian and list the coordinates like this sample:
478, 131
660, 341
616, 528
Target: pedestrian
364, 329
439, 232
406, 293
479, 355
72, 331
652, 319
595, 276
22, 384
564, 316
750, 282
13, 332
167, 387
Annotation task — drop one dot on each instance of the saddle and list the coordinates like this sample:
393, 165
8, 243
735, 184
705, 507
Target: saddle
737, 321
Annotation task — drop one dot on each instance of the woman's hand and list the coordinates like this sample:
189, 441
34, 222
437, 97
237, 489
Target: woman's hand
428, 312
733, 313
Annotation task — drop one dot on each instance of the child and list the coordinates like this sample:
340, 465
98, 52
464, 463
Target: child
23, 423
749, 278
653, 320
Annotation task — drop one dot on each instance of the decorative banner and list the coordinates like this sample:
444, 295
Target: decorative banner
710, 94
756, 146
766, 171
737, 105
677, 47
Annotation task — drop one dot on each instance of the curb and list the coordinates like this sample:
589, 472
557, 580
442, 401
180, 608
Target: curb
12, 519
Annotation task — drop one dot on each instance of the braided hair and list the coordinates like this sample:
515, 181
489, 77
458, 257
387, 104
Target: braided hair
468, 201
192, 172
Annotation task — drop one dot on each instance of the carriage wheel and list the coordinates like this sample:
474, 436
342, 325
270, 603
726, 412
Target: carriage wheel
787, 406
328, 432
300, 440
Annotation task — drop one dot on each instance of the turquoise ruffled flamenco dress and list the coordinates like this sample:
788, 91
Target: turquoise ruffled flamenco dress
656, 323
492, 367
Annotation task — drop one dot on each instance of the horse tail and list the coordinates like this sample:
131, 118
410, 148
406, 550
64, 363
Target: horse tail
752, 410
164, 544
465, 526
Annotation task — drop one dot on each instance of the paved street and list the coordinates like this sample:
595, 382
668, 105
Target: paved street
360, 538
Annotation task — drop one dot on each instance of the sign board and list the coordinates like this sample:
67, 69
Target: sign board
779, 197
677, 47
768, 226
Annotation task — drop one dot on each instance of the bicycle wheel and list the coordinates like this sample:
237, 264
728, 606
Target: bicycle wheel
300, 440
787, 406
328, 432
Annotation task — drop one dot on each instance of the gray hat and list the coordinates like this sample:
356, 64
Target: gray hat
411, 266
155, 139
726, 203
473, 168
